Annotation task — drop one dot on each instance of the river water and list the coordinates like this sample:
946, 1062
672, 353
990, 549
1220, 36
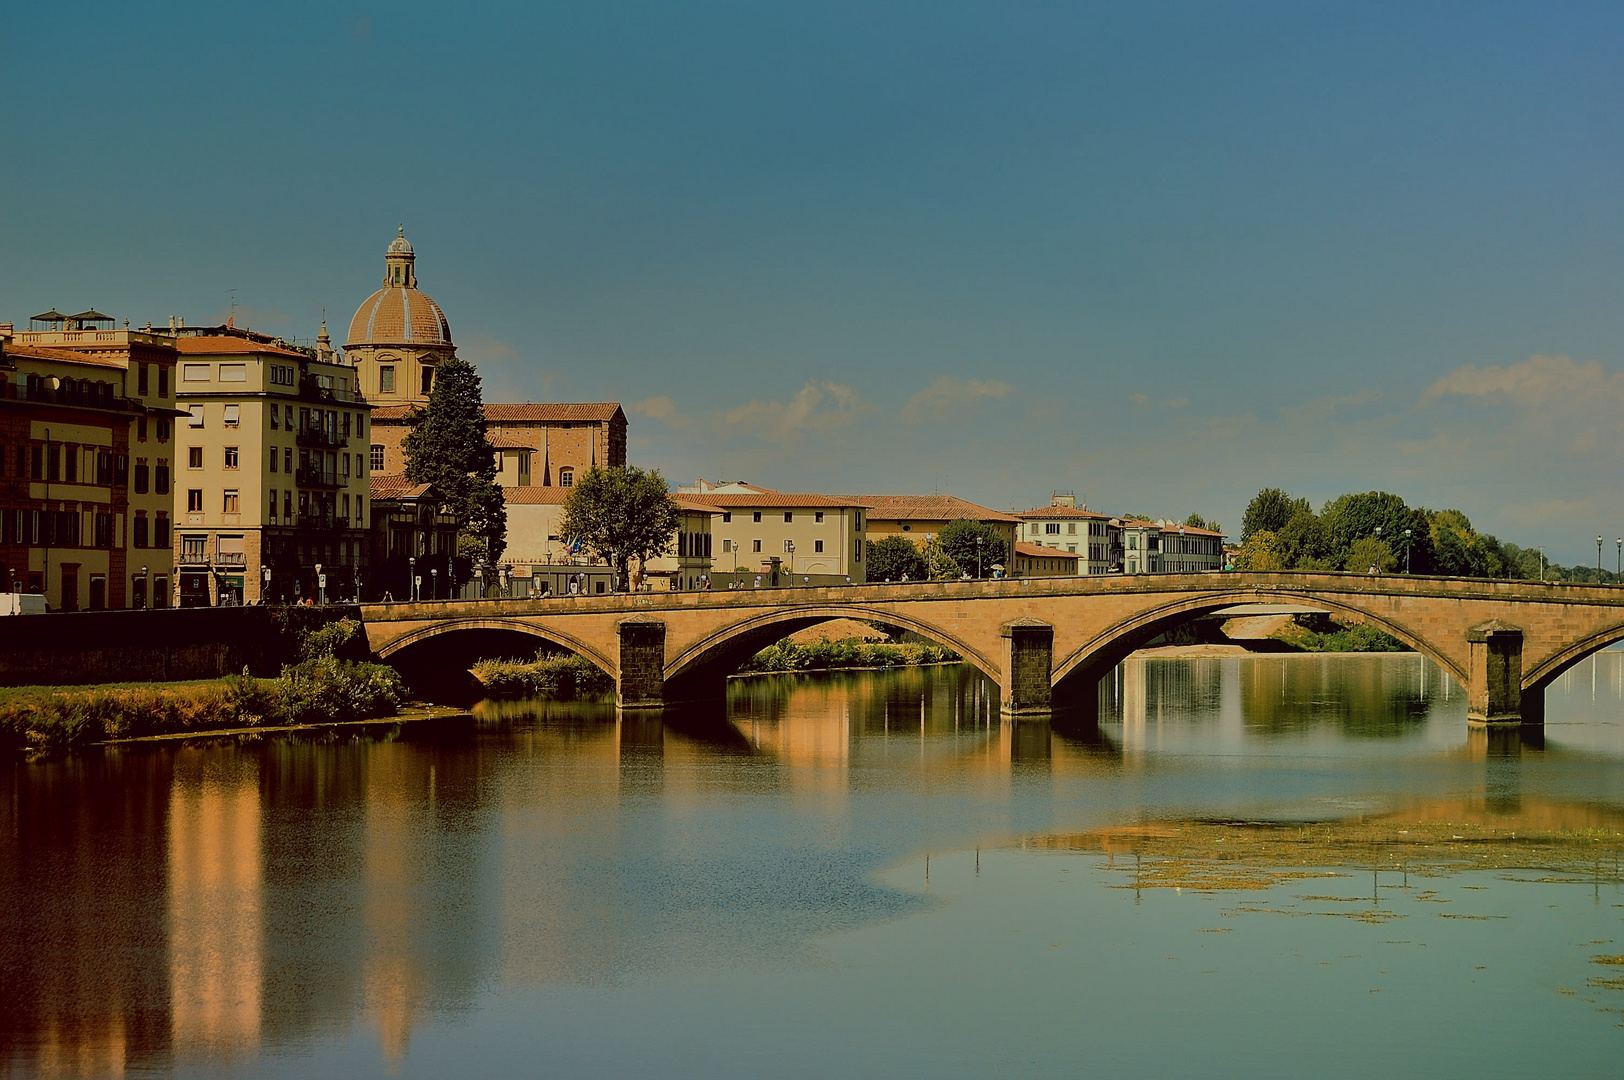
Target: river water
862, 874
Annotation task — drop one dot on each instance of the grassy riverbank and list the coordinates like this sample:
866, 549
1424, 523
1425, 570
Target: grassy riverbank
1320, 633
322, 687
547, 676
845, 653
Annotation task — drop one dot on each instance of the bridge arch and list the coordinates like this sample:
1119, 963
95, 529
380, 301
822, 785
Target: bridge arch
1112, 645
523, 627
1548, 671
720, 652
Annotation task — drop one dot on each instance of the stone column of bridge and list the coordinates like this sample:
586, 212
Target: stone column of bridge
1494, 695
642, 664
1024, 686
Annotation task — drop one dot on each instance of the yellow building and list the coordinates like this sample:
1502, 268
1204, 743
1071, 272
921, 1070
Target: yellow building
920, 517
772, 538
139, 366
1035, 560
539, 560
271, 480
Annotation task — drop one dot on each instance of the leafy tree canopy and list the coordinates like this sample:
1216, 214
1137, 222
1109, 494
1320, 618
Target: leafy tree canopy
621, 514
1196, 521
1260, 553
1269, 511
895, 557
958, 539
446, 449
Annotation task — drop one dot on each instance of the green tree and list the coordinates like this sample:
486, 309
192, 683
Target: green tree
1269, 511
1303, 544
1260, 553
940, 565
893, 558
1367, 552
446, 449
620, 514
1196, 521
958, 539
1350, 518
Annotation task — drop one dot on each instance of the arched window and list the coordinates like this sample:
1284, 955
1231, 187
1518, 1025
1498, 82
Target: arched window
566, 477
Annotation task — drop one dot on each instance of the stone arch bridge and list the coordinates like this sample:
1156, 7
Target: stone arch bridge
1046, 642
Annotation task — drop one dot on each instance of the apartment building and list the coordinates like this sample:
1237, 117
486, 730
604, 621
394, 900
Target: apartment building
920, 517
1088, 534
780, 538
139, 366
271, 485
539, 559
1036, 560
1167, 547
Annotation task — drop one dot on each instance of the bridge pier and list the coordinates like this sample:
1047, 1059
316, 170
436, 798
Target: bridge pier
642, 664
1024, 689
1494, 696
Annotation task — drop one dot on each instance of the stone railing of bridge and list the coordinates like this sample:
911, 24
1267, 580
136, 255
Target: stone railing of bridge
1045, 641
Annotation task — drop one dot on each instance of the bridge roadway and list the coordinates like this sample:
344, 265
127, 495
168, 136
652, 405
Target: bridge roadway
1046, 642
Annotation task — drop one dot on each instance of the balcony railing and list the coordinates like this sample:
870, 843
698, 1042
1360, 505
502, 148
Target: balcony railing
310, 476
231, 558
318, 437
322, 523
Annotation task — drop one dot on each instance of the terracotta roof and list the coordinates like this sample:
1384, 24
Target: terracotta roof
504, 441
1038, 551
231, 346
394, 486
1188, 530
696, 502
1061, 512
64, 356
399, 315
778, 499
926, 508
525, 413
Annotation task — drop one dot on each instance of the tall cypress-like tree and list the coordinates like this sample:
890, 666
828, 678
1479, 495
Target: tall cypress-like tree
446, 449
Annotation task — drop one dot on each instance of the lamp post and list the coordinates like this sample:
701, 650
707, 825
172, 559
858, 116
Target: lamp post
1542, 564
1373, 567
434, 583
321, 586
1598, 556
413, 585
1406, 551
265, 584
979, 542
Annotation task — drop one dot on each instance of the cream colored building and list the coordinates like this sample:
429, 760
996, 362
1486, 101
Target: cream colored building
920, 517
1090, 535
139, 365
271, 472
779, 538
539, 559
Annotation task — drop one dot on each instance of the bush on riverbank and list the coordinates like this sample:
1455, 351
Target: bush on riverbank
1321, 633
547, 676
320, 689
845, 653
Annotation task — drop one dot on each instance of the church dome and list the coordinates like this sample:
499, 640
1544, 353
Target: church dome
399, 313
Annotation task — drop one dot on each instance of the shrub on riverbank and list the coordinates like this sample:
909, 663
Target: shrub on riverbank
321, 688
845, 653
547, 676
1320, 633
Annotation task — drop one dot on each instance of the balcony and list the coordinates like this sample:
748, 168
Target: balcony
322, 523
310, 476
231, 558
323, 439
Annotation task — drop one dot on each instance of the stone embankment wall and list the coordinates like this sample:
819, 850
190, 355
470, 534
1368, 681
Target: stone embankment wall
88, 647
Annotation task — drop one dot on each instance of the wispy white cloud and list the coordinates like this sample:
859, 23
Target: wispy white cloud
817, 408
948, 396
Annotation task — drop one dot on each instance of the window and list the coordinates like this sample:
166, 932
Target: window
160, 532
287, 459
139, 531
194, 457
287, 417
163, 431
287, 507
428, 379
346, 459
273, 506
160, 477
141, 380
789, 547
1071, 528
755, 545
817, 519
274, 456
1051, 528
907, 528
70, 458
727, 545
194, 501
817, 547
727, 516
344, 505
140, 476
163, 382
276, 417
358, 468
757, 518
566, 477
53, 463
231, 457
360, 518
233, 372
233, 415
377, 457
194, 373
141, 428
229, 503
789, 516
386, 379
194, 549
197, 416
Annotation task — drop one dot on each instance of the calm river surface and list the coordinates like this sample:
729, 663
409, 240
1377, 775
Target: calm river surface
860, 875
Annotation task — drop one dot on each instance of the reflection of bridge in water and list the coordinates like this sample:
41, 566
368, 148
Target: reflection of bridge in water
1046, 642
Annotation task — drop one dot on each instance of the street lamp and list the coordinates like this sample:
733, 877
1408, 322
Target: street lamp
1378, 540
434, 583
321, 585
1406, 551
979, 541
414, 584
1598, 556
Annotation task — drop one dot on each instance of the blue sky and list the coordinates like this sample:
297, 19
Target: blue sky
1159, 254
